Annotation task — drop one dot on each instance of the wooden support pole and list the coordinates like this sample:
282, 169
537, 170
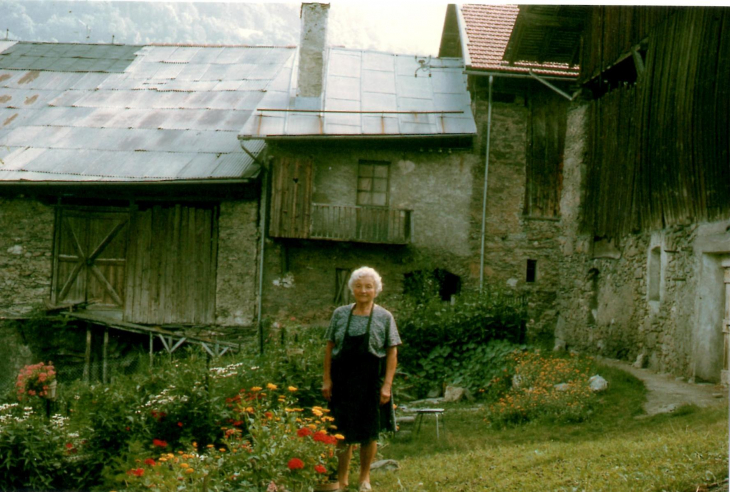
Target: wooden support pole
152, 339
87, 356
104, 352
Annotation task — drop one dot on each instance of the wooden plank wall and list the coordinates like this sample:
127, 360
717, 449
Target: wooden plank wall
171, 265
546, 146
291, 198
659, 152
613, 30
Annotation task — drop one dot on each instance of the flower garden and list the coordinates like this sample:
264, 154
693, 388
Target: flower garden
257, 423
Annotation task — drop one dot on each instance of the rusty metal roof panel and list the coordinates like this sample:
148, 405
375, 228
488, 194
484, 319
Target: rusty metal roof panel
117, 125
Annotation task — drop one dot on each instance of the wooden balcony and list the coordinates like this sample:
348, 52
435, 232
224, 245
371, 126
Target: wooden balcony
360, 224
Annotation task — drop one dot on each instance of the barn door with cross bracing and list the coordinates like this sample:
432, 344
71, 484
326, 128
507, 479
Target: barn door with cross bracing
90, 257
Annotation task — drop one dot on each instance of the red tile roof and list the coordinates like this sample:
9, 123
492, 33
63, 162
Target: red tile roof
488, 29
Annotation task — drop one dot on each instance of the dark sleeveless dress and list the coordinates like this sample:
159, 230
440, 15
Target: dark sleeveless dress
357, 377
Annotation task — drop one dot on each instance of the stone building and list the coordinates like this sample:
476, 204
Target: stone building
645, 204
180, 191
521, 119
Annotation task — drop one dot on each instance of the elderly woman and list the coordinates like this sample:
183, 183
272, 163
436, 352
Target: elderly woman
359, 365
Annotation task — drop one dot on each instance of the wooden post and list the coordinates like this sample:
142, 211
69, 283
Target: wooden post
104, 352
87, 357
152, 339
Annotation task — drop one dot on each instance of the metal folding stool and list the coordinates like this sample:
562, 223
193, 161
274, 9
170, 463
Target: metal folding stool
436, 412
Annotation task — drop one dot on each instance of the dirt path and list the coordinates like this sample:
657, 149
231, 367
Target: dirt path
665, 393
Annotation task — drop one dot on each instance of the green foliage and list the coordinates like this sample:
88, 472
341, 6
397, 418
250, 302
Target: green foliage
293, 356
33, 451
456, 342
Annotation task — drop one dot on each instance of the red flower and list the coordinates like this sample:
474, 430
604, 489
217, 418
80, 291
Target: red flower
268, 415
320, 469
304, 432
150, 461
179, 424
69, 445
136, 472
295, 464
159, 443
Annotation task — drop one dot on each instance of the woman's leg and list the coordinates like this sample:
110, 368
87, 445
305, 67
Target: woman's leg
344, 454
367, 455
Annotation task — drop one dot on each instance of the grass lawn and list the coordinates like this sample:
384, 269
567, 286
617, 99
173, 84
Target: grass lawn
612, 451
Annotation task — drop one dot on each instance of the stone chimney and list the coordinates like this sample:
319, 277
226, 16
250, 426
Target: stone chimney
312, 45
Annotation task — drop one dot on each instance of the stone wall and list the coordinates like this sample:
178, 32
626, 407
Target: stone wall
435, 184
26, 248
445, 191
511, 237
236, 281
654, 298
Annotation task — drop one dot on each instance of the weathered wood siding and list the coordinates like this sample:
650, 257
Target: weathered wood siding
291, 198
659, 150
171, 266
90, 257
613, 31
545, 148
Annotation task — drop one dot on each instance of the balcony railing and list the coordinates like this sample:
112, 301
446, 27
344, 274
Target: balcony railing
361, 224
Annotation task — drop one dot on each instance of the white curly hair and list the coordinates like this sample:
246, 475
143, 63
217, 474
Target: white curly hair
366, 272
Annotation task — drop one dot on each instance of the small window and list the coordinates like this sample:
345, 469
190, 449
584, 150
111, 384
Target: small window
531, 271
373, 183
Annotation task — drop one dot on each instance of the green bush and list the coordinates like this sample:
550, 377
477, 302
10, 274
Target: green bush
456, 343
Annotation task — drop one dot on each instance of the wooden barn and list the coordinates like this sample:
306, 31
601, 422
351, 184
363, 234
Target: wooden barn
646, 203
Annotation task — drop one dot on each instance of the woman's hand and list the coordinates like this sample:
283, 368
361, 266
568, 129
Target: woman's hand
385, 394
327, 389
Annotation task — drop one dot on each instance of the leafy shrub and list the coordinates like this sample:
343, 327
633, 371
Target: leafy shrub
453, 342
542, 388
35, 453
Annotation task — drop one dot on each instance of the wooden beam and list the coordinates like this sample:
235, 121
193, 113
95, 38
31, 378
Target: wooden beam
87, 355
104, 355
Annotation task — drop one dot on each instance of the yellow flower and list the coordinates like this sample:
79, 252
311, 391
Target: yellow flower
222, 450
292, 389
312, 426
317, 412
189, 470
162, 459
184, 465
256, 388
339, 436
210, 446
195, 444
271, 386
249, 409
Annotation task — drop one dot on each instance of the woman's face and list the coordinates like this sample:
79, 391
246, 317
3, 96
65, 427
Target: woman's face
364, 289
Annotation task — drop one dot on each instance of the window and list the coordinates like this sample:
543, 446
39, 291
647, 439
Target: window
531, 271
373, 183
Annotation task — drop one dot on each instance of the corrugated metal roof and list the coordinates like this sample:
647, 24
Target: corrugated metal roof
108, 113
370, 93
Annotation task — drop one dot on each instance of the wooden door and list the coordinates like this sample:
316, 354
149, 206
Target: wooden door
90, 257
291, 198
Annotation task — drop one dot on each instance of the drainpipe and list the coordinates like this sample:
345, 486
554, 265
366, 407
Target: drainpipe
262, 222
486, 179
